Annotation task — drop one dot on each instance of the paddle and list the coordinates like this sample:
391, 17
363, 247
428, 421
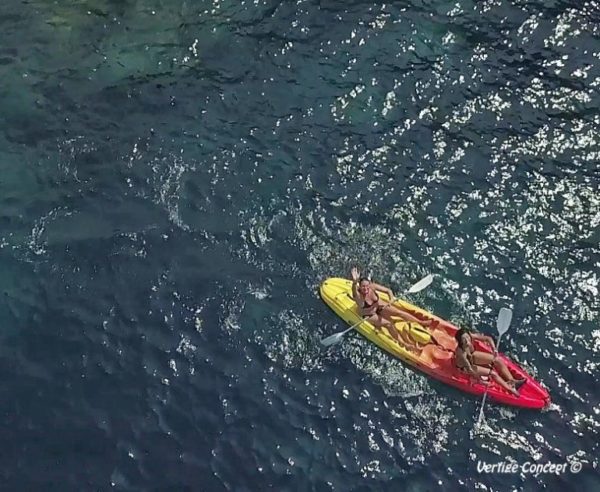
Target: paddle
336, 337
502, 324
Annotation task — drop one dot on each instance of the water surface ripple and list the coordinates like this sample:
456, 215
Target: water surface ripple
178, 177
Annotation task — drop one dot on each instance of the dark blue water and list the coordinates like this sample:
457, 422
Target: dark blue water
177, 178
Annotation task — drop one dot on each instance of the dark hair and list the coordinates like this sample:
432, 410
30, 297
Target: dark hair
459, 334
363, 279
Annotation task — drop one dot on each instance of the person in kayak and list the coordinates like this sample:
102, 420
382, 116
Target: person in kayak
379, 313
477, 363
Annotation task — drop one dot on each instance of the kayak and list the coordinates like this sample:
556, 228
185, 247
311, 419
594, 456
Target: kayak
436, 357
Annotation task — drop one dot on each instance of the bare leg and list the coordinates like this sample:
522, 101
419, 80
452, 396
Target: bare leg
485, 359
484, 371
504, 384
500, 366
400, 336
392, 311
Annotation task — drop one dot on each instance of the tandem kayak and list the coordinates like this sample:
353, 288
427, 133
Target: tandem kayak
435, 359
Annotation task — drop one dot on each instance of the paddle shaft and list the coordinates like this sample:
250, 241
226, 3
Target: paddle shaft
487, 383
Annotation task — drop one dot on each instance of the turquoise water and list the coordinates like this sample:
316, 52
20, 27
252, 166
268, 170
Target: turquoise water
177, 178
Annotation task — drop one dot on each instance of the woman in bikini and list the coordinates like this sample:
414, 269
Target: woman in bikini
379, 313
477, 363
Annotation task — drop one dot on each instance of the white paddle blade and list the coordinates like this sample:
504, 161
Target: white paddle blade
504, 319
421, 284
332, 340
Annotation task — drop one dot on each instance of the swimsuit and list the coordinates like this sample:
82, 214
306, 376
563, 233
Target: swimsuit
366, 305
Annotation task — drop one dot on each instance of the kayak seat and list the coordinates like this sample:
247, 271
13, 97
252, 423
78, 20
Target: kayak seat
418, 333
433, 355
445, 340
